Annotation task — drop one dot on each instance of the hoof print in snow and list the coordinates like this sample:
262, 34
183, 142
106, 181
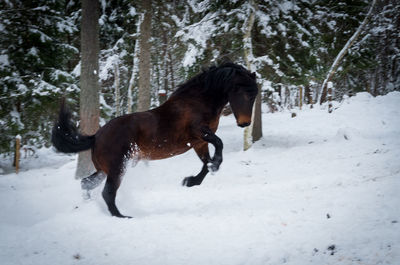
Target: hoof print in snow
332, 249
328, 216
315, 251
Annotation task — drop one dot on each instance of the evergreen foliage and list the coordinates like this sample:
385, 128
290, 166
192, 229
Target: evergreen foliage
37, 51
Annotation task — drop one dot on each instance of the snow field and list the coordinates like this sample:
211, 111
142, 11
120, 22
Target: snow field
317, 189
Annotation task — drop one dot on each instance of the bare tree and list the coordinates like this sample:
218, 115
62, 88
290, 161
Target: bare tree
343, 52
253, 132
89, 97
144, 58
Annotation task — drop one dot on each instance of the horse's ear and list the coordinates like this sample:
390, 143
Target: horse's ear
253, 75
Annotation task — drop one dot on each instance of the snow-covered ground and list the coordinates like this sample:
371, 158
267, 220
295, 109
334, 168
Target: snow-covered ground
317, 189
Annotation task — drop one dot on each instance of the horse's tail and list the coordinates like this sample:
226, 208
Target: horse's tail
65, 137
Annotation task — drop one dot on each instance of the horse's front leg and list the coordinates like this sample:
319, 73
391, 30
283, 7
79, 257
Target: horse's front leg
210, 137
202, 152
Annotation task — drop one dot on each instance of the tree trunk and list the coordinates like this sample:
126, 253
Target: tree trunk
89, 97
342, 53
135, 66
117, 88
257, 121
165, 58
308, 97
253, 132
144, 58
171, 70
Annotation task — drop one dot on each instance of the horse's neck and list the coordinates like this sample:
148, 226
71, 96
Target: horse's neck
216, 102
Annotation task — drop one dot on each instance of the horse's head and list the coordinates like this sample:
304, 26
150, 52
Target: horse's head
242, 95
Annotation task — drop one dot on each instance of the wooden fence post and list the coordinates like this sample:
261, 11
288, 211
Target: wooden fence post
300, 96
330, 93
17, 154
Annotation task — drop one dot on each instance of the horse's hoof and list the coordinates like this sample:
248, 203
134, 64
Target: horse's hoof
123, 216
214, 163
213, 167
189, 182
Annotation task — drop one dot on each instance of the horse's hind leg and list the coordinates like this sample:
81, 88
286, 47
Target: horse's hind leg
204, 156
93, 181
110, 192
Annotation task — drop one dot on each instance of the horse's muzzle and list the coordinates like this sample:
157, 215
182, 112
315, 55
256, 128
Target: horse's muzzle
243, 120
243, 124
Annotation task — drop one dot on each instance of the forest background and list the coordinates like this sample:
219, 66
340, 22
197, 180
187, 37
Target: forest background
294, 44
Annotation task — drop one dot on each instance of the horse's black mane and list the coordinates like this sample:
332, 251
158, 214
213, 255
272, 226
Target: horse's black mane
213, 80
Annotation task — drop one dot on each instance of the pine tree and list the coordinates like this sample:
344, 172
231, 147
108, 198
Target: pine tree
37, 54
343, 52
383, 74
117, 42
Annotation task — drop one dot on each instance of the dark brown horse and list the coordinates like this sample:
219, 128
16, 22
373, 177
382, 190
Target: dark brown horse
188, 119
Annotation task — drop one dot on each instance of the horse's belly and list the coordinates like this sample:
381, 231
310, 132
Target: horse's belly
162, 152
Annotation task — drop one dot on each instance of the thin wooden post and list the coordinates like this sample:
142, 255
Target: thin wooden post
300, 96
330, 92
17, 154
